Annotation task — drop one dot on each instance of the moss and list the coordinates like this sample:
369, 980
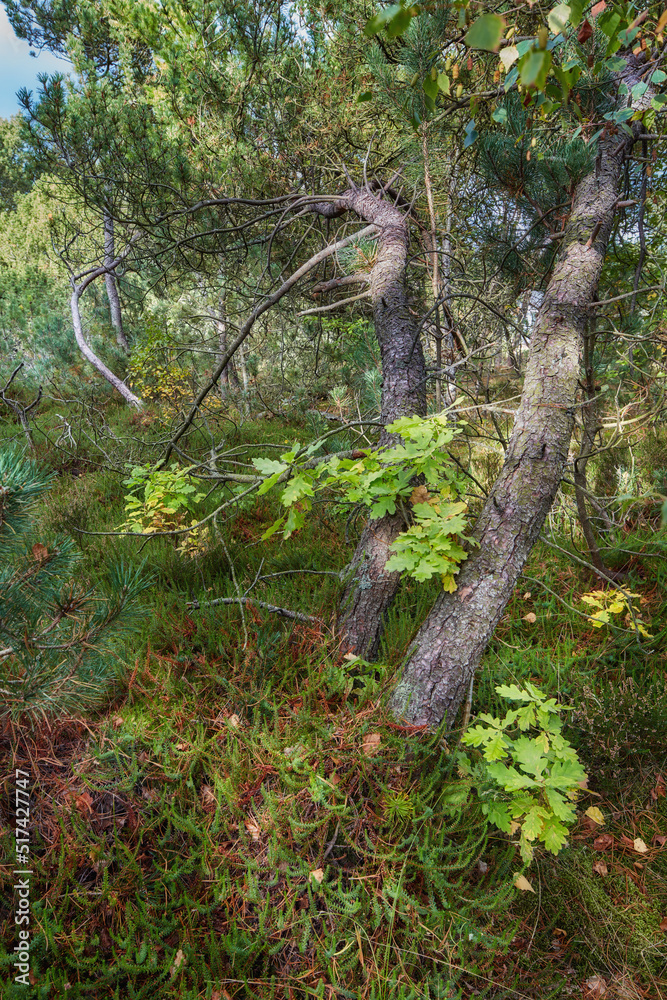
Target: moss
609, 923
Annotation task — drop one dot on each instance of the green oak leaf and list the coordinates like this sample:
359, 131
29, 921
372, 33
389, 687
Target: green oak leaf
296, 489
498, 814
554, 834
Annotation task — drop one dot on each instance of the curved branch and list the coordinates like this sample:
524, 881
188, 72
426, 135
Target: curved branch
244, 332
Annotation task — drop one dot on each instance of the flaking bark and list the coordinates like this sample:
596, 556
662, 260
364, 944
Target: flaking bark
450, 643
370, 589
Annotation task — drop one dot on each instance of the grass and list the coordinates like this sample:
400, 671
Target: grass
247, 819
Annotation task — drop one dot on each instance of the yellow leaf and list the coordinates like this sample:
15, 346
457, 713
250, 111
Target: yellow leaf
371, 744
595, 814
530, 617
616, 607
522, 883
508, 56
591, 599
661, 23
640, 846
317, 875
542, 742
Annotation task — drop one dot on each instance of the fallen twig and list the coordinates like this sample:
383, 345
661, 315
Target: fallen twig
297, 616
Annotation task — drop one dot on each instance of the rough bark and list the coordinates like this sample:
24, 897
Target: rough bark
432, 248
448, 647
110, 281
370, 589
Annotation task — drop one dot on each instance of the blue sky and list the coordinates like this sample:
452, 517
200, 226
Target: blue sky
18, 68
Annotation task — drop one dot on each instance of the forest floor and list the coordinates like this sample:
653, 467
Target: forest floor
246, 819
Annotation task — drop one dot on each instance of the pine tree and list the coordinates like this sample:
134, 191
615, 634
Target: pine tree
60, 641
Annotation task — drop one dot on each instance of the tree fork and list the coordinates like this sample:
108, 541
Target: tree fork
449, 645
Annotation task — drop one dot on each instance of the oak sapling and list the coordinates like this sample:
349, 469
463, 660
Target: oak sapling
382, 480
527, 775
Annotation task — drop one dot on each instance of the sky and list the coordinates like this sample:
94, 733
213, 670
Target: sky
18, 68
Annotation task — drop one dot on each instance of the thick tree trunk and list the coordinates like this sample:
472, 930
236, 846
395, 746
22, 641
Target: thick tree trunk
110, 281
450, 643
370, 589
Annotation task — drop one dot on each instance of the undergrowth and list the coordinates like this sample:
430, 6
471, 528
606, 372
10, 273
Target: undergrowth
249, 821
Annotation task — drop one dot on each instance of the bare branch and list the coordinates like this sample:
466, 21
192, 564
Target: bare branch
268, 302
273, 608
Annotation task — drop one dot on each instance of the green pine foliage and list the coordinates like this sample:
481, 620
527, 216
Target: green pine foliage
60, 640
538, 169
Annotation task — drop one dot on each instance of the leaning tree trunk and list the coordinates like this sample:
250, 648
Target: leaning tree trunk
90, 355
450, 643
370, 589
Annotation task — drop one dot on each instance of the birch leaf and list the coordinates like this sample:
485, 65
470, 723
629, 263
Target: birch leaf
522, 883
595, 814
508, 56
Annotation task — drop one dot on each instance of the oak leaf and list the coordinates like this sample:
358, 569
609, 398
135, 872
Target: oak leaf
420, 494
208, 799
